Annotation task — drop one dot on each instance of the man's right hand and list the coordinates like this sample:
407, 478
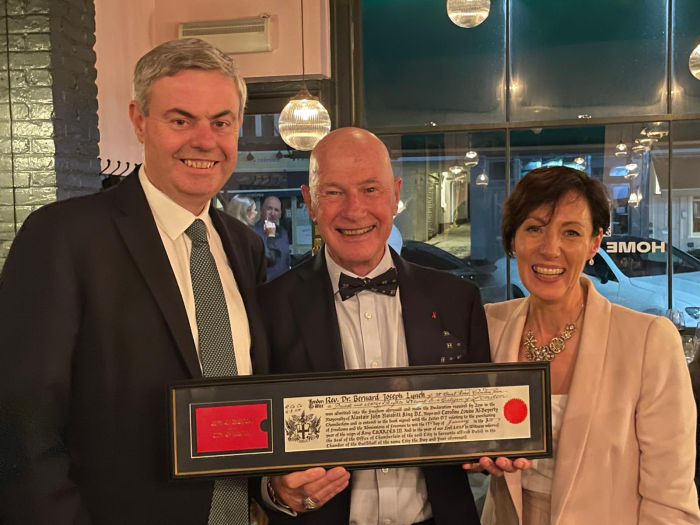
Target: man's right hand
269, 228
316, 483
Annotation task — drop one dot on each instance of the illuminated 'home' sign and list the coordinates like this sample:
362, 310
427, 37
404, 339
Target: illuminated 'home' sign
635, 247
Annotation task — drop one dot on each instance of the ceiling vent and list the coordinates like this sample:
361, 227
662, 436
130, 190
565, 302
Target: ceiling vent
243, 35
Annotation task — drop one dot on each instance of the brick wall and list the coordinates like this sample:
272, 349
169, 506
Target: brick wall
49, 143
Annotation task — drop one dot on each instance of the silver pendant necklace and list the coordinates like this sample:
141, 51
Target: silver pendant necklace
556, 345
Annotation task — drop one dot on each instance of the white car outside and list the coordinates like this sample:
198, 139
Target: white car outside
636, 279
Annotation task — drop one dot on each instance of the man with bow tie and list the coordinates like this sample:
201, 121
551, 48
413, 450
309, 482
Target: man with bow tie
357, 304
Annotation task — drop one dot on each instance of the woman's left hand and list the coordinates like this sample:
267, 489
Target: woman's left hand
498, 467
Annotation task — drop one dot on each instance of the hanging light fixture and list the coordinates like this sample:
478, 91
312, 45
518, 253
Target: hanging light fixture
580, 163
632, 170
694, 62
639, 148
471, 159
633, 201
482, 180
304, 121
621, 149
657, 130
456, 169
468, 13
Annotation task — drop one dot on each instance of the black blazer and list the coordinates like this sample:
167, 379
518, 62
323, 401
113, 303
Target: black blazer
93, 328
302, 327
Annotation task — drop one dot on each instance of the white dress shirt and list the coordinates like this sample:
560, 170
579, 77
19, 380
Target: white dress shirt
372, 336
172, 221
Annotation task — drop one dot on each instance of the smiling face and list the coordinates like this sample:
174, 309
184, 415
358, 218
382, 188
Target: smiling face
552, 249
353, 197
190, 135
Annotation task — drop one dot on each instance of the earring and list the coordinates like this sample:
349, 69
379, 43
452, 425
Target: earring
590, 261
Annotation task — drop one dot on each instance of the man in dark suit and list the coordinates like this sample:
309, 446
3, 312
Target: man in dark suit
320, 317
106, 299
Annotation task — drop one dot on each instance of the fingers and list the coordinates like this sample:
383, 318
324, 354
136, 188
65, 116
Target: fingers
473, 467
501, 465
297, 479
316, 483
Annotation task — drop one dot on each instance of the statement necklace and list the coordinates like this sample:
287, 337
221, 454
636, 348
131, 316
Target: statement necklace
555, 346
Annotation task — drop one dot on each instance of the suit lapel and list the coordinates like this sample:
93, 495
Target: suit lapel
506, 351
314, 311
421, 316
140, 233
583, 397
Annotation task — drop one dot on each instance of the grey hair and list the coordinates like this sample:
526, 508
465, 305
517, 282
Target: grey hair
239, 206
170, 58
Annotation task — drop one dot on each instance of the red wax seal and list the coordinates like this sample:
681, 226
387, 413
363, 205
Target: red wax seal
515, 411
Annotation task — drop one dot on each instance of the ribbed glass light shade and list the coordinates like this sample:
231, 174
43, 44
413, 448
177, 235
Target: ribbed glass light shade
468, 13
633, 200
580, 163
694, 62
304, 121
639, 148
657, 130
456, 169
471, 158
632, 170
482, 180
621, 149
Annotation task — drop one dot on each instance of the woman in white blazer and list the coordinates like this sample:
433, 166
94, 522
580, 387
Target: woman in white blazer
622, 406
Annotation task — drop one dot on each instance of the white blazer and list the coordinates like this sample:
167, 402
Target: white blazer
627, 445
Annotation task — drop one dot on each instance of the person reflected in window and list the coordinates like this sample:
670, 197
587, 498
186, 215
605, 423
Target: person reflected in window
623, 415
243, 208
279, 258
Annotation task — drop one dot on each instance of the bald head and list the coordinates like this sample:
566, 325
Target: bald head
271, 210
353, 197
347, 144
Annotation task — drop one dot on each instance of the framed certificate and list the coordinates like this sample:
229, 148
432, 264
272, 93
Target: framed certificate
359, 419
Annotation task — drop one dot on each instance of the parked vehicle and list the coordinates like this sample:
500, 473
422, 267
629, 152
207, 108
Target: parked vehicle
631, 271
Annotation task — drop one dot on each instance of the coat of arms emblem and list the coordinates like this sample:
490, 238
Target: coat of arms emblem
302, 428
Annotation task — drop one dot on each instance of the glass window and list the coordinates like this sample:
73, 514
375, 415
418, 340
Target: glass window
419, 68
685, 205
269, 175
686, 38
632, 161
600, 58
450, 210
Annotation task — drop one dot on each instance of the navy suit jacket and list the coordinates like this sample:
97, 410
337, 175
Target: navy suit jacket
93, 329
302, 325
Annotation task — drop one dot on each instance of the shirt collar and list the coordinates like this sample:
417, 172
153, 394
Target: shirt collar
172, 218
334, 269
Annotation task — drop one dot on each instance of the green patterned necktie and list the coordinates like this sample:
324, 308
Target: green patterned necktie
229, 505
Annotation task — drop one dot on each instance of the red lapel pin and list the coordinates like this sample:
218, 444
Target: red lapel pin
434, 315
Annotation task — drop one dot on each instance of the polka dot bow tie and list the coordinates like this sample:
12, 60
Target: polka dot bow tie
385, 284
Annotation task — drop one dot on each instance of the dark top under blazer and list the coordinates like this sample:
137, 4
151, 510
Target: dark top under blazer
93, 328
302, 325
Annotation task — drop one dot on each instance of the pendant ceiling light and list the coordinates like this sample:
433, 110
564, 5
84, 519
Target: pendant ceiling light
468, 13
633, 199
471, 158
639, 148
621, 150
580, 163
482, 180
632, 170
304, 121
456, 169
657, 130
694, 62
